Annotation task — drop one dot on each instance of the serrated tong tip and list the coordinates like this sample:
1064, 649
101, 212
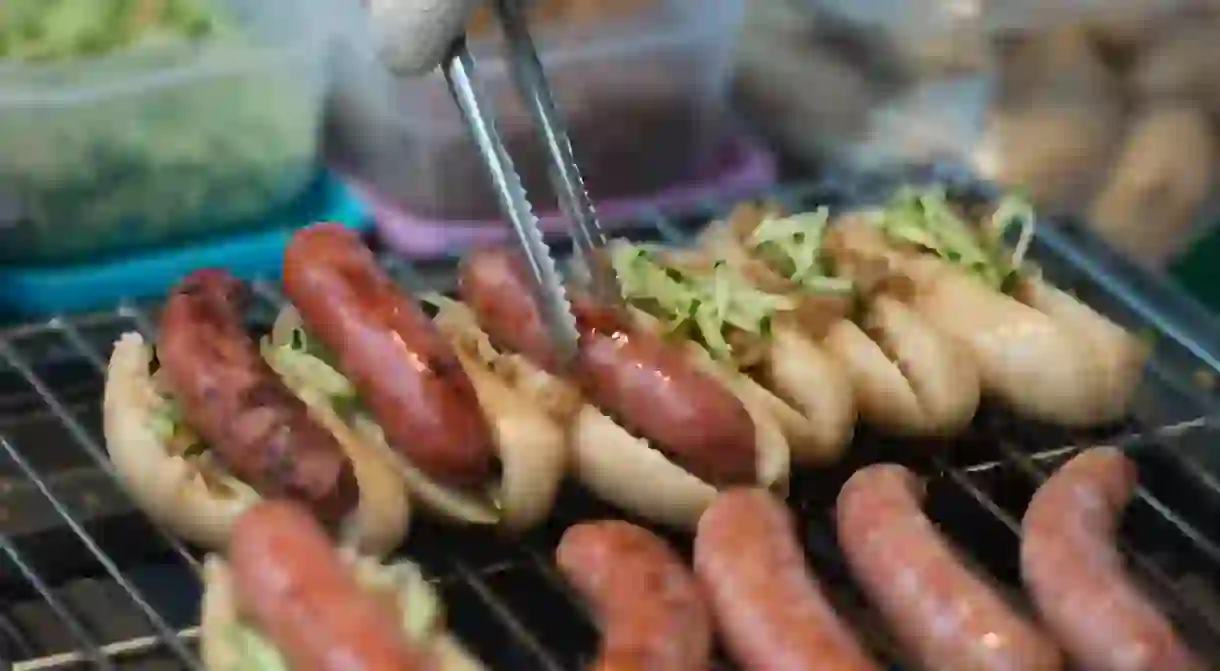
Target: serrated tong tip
547, 282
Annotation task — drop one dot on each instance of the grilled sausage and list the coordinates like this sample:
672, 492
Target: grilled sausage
652, 615
1075, 573
770, 610
300, 593
404, 370
644, 382
947, 618
257, 427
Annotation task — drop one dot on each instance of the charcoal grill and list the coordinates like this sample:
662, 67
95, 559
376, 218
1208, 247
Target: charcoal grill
87, 582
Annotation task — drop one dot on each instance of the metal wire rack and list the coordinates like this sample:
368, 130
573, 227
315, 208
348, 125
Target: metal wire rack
87, 581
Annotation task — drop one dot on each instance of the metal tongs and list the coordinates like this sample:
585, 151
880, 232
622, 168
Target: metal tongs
586, 232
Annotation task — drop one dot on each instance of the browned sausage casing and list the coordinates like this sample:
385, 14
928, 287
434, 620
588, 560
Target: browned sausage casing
232, 398
642, 381
770, 610
947, 618
405, 371
1075, 574
301, 594
651, 612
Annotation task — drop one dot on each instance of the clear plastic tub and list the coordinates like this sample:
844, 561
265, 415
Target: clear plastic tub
140, 148
1101, 108
643, 95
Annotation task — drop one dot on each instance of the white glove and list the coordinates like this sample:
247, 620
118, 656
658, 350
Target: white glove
412, 36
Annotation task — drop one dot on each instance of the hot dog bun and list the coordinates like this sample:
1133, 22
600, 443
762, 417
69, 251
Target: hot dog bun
172, 490
615, 465
817, 420
530, 444
905, 377
625, 470
1040, 350
221, 626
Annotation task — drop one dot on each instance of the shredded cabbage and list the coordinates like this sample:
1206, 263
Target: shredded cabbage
706, 306
792, 246
164, 420
255, 652
306, 366
167, 424
924, 218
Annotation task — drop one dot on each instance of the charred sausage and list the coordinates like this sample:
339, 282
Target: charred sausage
642, 381
300, 593
403, 368
947, 618
770, 610
1075, 574
652, 615
257, 427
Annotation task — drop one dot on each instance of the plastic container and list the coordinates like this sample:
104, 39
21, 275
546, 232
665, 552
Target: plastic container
643, 95
1089, 105
100, 284
743, 169
140, 148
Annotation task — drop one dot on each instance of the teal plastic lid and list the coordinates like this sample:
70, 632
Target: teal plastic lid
38, 292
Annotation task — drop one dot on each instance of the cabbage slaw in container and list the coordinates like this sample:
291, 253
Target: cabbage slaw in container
111, 139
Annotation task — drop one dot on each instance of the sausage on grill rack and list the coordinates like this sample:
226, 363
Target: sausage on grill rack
261, 431
646, 397
631, 374
945, 616
404, 370
1075, 574
284, 590
300, 593
454, 416
651, 611
215, 429
767, 605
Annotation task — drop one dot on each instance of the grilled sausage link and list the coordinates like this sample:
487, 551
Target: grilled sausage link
947, 618
770, 610
232, 398
403, 368
635, 376
652, 615
299, 592
1075, 574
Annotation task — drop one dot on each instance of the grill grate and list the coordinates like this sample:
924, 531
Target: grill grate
88, 581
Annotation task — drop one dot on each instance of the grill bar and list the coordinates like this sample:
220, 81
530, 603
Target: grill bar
121, 649
73, 336
91, 651
160, 627
490, 582
1178, 600
504, 613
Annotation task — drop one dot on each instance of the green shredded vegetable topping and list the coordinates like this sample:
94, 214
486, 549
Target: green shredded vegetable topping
165, 419
792, 246
255, 652
167, 424
704, 306
925, 218
305, 360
